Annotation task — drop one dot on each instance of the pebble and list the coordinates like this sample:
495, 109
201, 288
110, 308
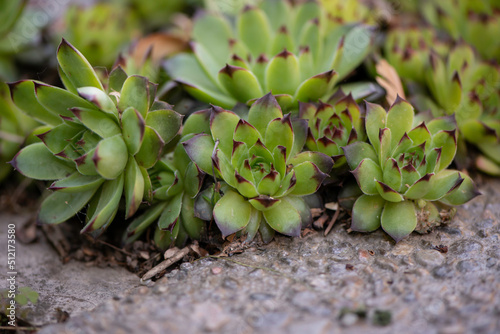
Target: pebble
429, 258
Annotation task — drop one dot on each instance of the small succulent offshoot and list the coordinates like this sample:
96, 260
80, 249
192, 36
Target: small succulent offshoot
99, 141
402, 171
332, 126
263, 172
296, 52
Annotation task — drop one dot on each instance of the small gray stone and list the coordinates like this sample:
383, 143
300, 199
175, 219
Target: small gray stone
490, 262
429, 258
467, 266
466, 248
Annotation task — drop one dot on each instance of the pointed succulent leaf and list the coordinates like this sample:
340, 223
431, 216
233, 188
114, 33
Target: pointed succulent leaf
375, 120
135, 93
302, 207
404, 144
226, 170
420, 188
263, 111
287, 185
76, 67
56, 138
59, 100
388, 193
385, 139
60, 206
282, 40
447, 140
246, 133
278, 10
142, 222
166, 122
366, 213
134, 187
260, 151
409, 175
106, 205
300, 128
283, 74
315, 87
85, 164
170, 216
433, 159
244, 186
240, 83
399, 219
133, 129
269, 183
253, 225
357, 45
279, 132
309, 178
193, 179
77, 182
264, 202
199, 149
194, 226
23, 95
399, 120
447, 123
97, 121
279, 155
222, 126
232, 213
392, 174
110, 157
197, 122
442, 183
148, 186
239, 155
284, 218
116, 79
254, 30
151, 148
99, 98
37, 162
419, 134
358, 151
322, 161
367, 172
466, 191
214, 31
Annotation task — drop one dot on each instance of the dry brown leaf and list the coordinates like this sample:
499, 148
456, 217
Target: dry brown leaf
389, 79
160, 44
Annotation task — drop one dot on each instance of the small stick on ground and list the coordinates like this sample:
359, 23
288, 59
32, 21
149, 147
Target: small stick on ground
332, 221
165, 264
56, 237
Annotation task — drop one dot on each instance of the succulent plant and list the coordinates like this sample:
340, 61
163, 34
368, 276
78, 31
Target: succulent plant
100, 31
468, 87
402, 171
263, 172
14, 127
350, 11
476, 22
295, 52
154, 14
176, 181
332, 126
407, 50
100, 142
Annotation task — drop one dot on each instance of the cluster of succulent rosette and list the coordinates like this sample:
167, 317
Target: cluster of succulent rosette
278, 127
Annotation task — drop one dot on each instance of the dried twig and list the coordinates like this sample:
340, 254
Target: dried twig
170, 260
332, 221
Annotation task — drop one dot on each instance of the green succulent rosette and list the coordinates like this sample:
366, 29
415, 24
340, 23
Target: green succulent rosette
464, 85
263, 172
407, 50
98, 143
296, 52
476, 22
349, 11
176, 182
332, 126
402, 171
100, 31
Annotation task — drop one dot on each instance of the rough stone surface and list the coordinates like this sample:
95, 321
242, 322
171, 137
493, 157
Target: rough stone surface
72, 287
349, 283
